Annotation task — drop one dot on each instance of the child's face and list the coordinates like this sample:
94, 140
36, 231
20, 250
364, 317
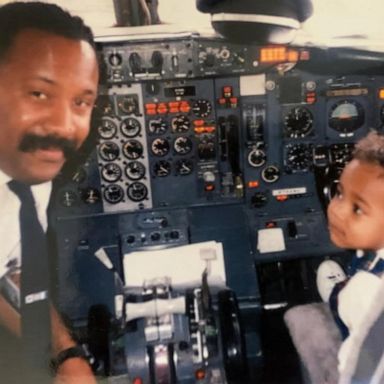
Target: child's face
356, 213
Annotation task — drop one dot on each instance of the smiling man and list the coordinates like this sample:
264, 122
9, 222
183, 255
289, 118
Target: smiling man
48, 85
47, 90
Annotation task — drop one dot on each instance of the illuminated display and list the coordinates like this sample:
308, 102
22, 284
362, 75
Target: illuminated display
347, 92
278, 54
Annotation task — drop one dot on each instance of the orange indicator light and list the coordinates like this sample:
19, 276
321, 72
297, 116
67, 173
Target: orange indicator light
273, 54
200, 374
253, 184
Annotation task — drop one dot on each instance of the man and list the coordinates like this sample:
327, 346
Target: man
48, 86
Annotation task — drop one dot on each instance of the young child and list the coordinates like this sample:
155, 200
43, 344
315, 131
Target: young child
356, 221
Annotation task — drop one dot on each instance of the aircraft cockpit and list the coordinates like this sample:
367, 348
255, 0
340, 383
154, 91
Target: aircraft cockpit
195, 214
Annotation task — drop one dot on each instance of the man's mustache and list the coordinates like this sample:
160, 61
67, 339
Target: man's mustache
31, 142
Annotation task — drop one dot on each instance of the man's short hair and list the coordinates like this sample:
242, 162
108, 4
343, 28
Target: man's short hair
370, 149
17, 16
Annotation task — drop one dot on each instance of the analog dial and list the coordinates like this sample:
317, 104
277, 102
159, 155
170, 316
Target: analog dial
157, 127
270, 174
107, 128
137, 191
184, 167
111, 172
113, 193
135, 170
341, 154
109, 151
182, 145
133, 149
160, 147
130, 127
298, 122
162, 168
128, 104
202, 108
298, 157
180, 124
90, 195
257, 158
68, 198
346, 116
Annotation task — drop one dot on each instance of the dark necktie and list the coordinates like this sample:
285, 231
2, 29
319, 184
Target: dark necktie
35, 312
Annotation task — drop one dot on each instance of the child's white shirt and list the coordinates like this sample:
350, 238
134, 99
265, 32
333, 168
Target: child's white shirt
354, 303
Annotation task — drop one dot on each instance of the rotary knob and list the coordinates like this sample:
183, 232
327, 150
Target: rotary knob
135, 62
270, 174
157, 61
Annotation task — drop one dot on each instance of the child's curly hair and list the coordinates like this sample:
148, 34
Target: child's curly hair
370, 149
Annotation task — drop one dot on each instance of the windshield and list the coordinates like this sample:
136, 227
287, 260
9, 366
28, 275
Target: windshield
331, 18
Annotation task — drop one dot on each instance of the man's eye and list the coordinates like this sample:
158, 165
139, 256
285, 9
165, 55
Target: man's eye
38, 95
83, 103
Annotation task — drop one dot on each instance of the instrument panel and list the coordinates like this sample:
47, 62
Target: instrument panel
200, 139
217, 135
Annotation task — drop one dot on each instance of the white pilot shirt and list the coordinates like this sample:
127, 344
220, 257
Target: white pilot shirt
10, 253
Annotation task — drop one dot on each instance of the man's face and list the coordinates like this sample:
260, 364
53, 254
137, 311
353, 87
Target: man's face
356, 213
48, 85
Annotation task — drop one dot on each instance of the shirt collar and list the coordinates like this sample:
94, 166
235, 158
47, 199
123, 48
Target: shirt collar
41, 192
4, 178
380, 253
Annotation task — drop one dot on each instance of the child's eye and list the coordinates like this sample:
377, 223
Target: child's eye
357, 210
338, 193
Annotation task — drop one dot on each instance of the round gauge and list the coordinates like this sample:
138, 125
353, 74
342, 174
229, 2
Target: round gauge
104, 105
135, 170
137, 191
130, 127
202, 108
257, 158
107, 128
182, 145
113, 193
109, 151
207, 59
298, 157
341, 154
346, 116
180, 123
90, 195
79, 176
157, 127
270, 174
111, 172
184, 167
132, 149
128, 104
298, 122
162, 168
160, 147
68, 198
